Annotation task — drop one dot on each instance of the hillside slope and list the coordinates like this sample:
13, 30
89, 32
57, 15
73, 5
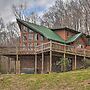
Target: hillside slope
74, 80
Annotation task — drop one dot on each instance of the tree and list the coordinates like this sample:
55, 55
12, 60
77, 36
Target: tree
64, 63
74, 14
8, 33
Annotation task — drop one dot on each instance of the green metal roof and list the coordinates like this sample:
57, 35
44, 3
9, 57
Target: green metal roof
73, 38
49, 34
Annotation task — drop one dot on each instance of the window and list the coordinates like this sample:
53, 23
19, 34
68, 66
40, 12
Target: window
35, 36
31, 46
24, 37
30, 36
67, 34
29, 30
41, 38
88, 41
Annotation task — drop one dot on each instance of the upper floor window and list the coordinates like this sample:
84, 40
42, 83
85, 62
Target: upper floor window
88, 41
67, 34
30, 36
41, 38
35, 36
29, 30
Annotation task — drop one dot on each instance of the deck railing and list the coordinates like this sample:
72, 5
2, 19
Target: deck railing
46, 47
25, 50
42, 47
7, 50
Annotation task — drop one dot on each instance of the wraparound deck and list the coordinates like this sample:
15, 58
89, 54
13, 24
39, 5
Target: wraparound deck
50, 48
45, 47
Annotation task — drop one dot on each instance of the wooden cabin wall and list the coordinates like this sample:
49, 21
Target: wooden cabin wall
7, 65
29, 38
62, 34
88, 44
79, 43
28, 62
3, 64
88, 47
67, 34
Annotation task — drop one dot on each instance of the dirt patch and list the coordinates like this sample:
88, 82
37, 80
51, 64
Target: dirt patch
85, 82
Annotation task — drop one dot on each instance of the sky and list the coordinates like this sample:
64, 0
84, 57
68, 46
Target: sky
38, 6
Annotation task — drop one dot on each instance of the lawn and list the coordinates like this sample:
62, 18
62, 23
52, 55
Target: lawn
73, 80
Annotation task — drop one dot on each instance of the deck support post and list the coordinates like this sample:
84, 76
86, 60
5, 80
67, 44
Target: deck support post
0, 64
17, 65
64, 64
75, 61
42, 63
42, 71
75, 67
50, 56
17, 62
84, 54
35, 63
9, 61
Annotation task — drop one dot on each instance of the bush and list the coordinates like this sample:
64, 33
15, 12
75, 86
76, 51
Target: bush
64, 64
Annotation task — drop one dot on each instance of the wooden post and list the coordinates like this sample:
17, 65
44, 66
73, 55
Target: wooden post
35, 63
9, 65
15, 66
17, 62
50, 56
42, 60
75, 67
8, 71
20, 39
64, 66
84, 54
42, 63
75, 62
0, 64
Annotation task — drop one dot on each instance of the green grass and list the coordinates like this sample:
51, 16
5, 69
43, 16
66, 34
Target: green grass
74, 80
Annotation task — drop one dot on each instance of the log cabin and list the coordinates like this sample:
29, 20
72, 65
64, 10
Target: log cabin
41, 50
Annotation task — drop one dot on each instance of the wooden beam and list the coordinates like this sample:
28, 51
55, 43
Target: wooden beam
8, 72
35, 63
75, 67
17, 62
10, 60
20, 43
84, 54
42, 63
50, 56
33, 40
64, 65
15, 66
42, 71
75, 61
0, 63
27, 39
50, 61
